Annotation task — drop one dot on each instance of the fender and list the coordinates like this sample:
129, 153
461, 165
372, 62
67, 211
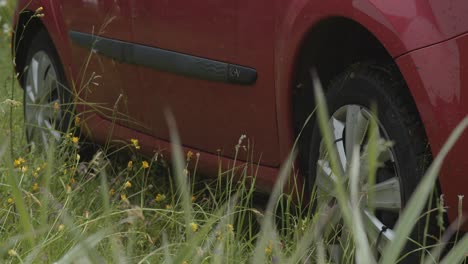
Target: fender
401, 26
55, 26
419, 35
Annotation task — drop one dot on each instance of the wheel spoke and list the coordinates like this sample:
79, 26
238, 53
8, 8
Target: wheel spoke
379, 235
338, 127
387, 195
325, 178
34, 69
50, 130
45, 89
30, 87
56, 135
356, 128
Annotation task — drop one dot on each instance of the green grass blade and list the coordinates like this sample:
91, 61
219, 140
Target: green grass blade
20, 203
179, 165
323, 119
419, 199
363, 251
80, 252
458, 253
268, 232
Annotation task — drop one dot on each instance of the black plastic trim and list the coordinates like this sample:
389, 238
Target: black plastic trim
166, 60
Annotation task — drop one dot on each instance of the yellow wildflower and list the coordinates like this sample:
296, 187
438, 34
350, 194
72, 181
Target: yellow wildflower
18, 162
127, 184
111, 192
24, 169
194, 198
168, 206
230, 228
130, 164
160, 197
56, 106
123, 197
69, 189
12, 253
61, 227
10, 201
135, 143
145, 164
72, 180
219, 235
75, 140
77, 121
35, 187
269, 248
189, 155
194, 227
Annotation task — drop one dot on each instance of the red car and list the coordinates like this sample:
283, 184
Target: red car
226, 68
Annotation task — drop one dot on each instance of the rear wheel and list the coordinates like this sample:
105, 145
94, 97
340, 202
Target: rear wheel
47, 101
403, 164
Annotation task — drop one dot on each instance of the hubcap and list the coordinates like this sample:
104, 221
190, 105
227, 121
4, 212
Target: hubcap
349, 125
42, 101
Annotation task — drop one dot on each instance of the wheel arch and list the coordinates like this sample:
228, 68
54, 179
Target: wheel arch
27, 26
330, 47
399, 27
331, 54
27, 23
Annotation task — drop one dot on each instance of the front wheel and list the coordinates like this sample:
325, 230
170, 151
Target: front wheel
47, 105
402, 164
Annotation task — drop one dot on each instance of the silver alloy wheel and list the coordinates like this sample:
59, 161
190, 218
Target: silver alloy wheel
349, 125
42, 101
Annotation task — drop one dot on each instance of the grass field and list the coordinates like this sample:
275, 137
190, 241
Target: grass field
120, 207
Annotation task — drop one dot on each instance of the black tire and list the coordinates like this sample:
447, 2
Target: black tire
365, 84
42, 42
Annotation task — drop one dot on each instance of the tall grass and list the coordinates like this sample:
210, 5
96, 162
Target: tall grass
121, 207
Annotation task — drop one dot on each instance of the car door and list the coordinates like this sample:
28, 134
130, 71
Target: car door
103, 80
211, 64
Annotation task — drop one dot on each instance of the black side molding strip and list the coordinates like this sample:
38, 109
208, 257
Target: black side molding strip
166, 60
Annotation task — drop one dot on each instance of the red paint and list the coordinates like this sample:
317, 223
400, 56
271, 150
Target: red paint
438, 77
211, 116
424, 36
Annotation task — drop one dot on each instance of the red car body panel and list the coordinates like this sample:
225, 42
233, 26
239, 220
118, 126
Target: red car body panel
221, 30
424, 36
108, 20
441, 74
